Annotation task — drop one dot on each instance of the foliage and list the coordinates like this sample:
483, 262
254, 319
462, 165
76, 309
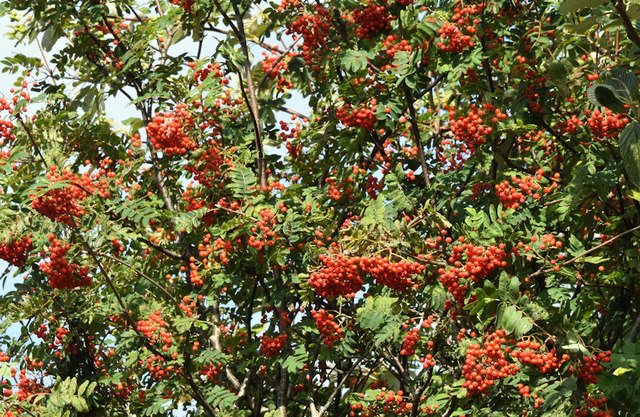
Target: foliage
452, 230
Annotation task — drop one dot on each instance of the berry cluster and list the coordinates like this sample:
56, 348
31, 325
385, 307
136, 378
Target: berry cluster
185, 4
340, 276
593, 407
485, 364
470, 131
154, 325
272, 346
314, 29
589, 371
201, 74
605, 125
62, 274
267, 236
330, 331
480, 263
61, 204
205, 165
395, 275
371, 20
527, 353
169, 132
16, 251
363, 117
409, 342
276, 67
393, 46
510, 197
211, 372
156, 365
457, 35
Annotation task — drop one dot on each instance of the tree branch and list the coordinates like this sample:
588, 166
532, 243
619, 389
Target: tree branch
626, 21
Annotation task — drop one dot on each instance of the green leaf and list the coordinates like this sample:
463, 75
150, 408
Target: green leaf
628, 83
605, 95
514, 289
630, 151
243, 182
570, 6
512, 320
356, 60
621, 371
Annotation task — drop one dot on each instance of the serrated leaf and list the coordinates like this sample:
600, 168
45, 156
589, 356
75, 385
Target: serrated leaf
243, 182
630, 151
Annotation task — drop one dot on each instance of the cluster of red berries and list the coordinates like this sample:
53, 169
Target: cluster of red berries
593, 407
211, 372
330, 331
363, 117
16, 251
395, 275
340, 276
371, 20
61, 204
205, 165
589, 371
487, 363
527, 353
272, 346
605, 125
510, 197
480, 263
409, 342
470, 131
457, 34
169, 132
187, 305
156, 365
210, 70
27, 387
374, 185
185, 4
394, 403
314, 29
267, 236
154, 325
276, 67
62, 274
478, 189
392, 45
570, 125
337, 190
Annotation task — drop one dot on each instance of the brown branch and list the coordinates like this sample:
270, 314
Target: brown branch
254, 112
626, 21
416, 133
33, 141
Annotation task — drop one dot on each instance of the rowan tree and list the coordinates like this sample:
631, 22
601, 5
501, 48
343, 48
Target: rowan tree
451, 229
